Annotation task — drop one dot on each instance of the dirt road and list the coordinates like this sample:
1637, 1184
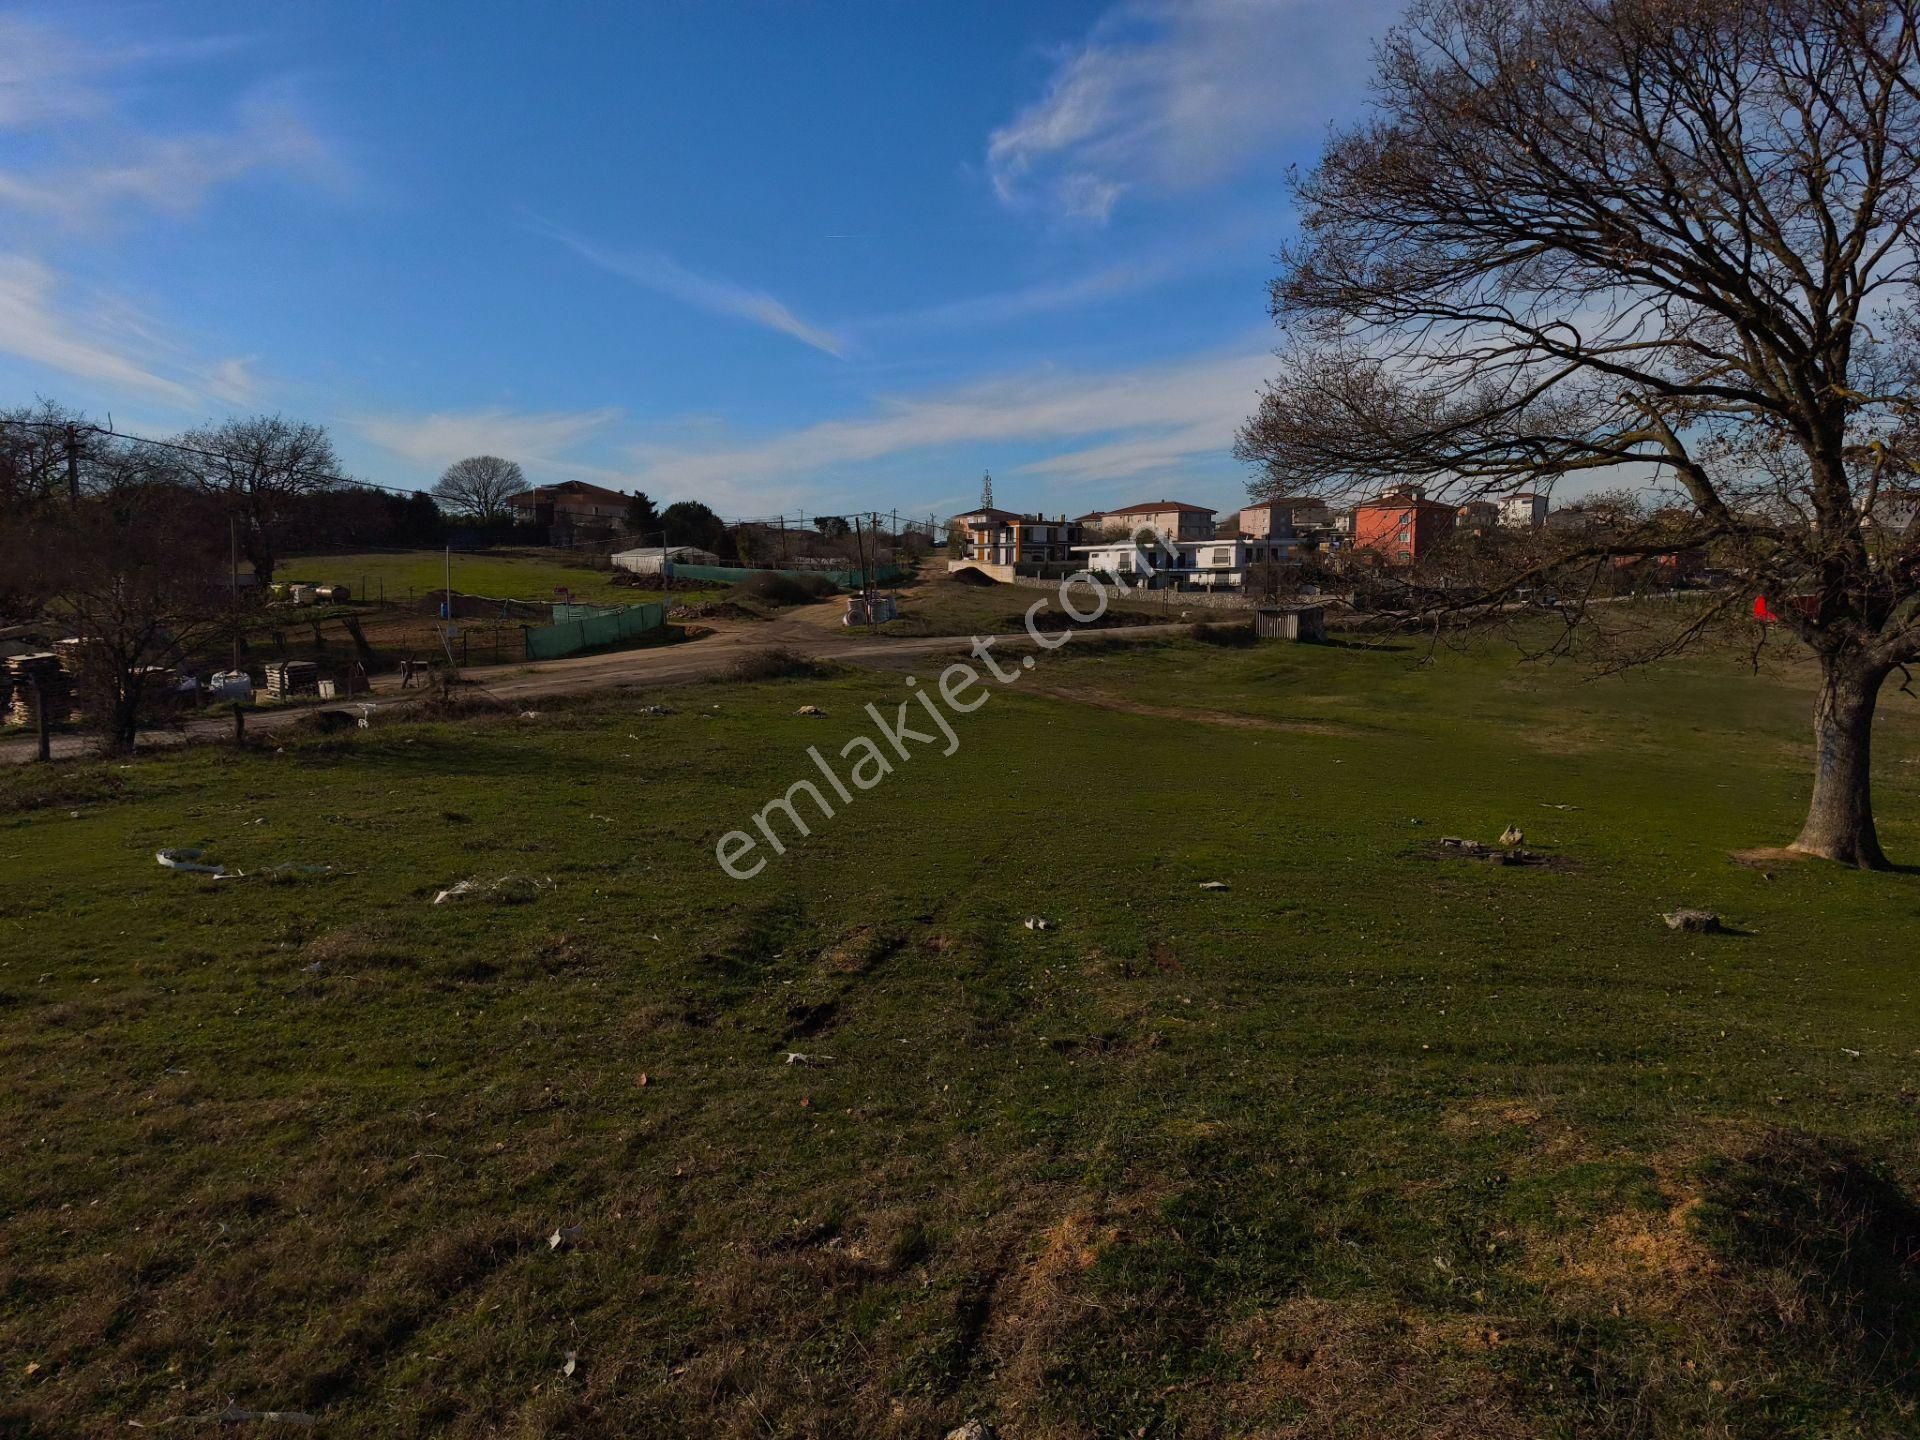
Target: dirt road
801, 631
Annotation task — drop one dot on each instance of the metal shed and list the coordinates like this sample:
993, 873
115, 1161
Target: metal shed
1290, 622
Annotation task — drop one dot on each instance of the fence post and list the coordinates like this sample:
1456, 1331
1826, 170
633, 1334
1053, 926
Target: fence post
43, 727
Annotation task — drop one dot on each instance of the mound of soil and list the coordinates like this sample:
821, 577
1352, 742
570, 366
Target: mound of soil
970, 576
713, 610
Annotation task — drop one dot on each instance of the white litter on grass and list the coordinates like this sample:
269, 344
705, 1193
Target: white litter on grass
507, 890
567, 1369
1215, 885
187, 860
794, 1057
564, 1235
1035, 922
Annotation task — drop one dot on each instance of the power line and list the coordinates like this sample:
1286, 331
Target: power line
303, 473
334, 476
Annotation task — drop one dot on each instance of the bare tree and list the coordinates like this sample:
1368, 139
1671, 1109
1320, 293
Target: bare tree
138, 574
1668, 242
260, 467
479, 487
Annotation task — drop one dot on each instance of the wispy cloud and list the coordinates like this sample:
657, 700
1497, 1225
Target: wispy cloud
1156, 417
105, 160
106, 343
542, 441
173, 174
667, 276
1046, 298
1169, 95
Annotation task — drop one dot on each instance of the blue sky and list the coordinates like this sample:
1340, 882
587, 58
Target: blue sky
778, 257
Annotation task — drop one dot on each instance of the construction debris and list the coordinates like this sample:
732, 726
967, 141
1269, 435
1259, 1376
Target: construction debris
39, 680
292, 677
1512, 836
810, 710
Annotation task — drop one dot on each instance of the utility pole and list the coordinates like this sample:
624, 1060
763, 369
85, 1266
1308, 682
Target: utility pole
233, 591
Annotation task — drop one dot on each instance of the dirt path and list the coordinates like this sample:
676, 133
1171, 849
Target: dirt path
801, 630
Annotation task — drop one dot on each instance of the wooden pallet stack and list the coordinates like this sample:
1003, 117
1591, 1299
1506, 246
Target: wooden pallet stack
292, 677
39, 679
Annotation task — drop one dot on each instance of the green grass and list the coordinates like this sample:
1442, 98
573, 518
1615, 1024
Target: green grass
516, 575
1370, 1143
937, 605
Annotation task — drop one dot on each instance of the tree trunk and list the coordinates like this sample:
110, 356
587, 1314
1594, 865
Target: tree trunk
1840, 815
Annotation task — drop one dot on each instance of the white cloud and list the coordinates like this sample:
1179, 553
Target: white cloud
174, 173
104, 161
1169, 95
667, 276
539, 440
1159, 417
105, 344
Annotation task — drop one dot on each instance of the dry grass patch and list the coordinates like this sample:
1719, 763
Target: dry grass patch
1321, 1368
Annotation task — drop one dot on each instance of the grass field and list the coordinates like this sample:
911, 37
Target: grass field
502, 575
934, 604
1372, 1143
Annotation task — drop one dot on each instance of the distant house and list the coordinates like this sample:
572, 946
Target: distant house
1523, 511
660, 560
1479, 516
571, 508
1005, 537
1173, 520
1217, 563
1893, 512
1223, 564
1401, 526
1283, 517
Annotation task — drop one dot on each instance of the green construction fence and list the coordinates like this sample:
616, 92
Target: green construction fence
591, 631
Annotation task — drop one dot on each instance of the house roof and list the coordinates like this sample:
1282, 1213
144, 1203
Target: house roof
667, 552
573, 489
1403, 502
990, 514
1150, 507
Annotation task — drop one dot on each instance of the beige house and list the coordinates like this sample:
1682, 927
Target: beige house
1172, 520
1283, 517
1005, 537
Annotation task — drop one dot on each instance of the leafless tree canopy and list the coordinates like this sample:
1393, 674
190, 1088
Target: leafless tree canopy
1668, 240
479, 487
259, 467
137, 571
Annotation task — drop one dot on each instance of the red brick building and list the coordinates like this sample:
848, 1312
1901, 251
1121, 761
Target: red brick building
572, 509
1401, 526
